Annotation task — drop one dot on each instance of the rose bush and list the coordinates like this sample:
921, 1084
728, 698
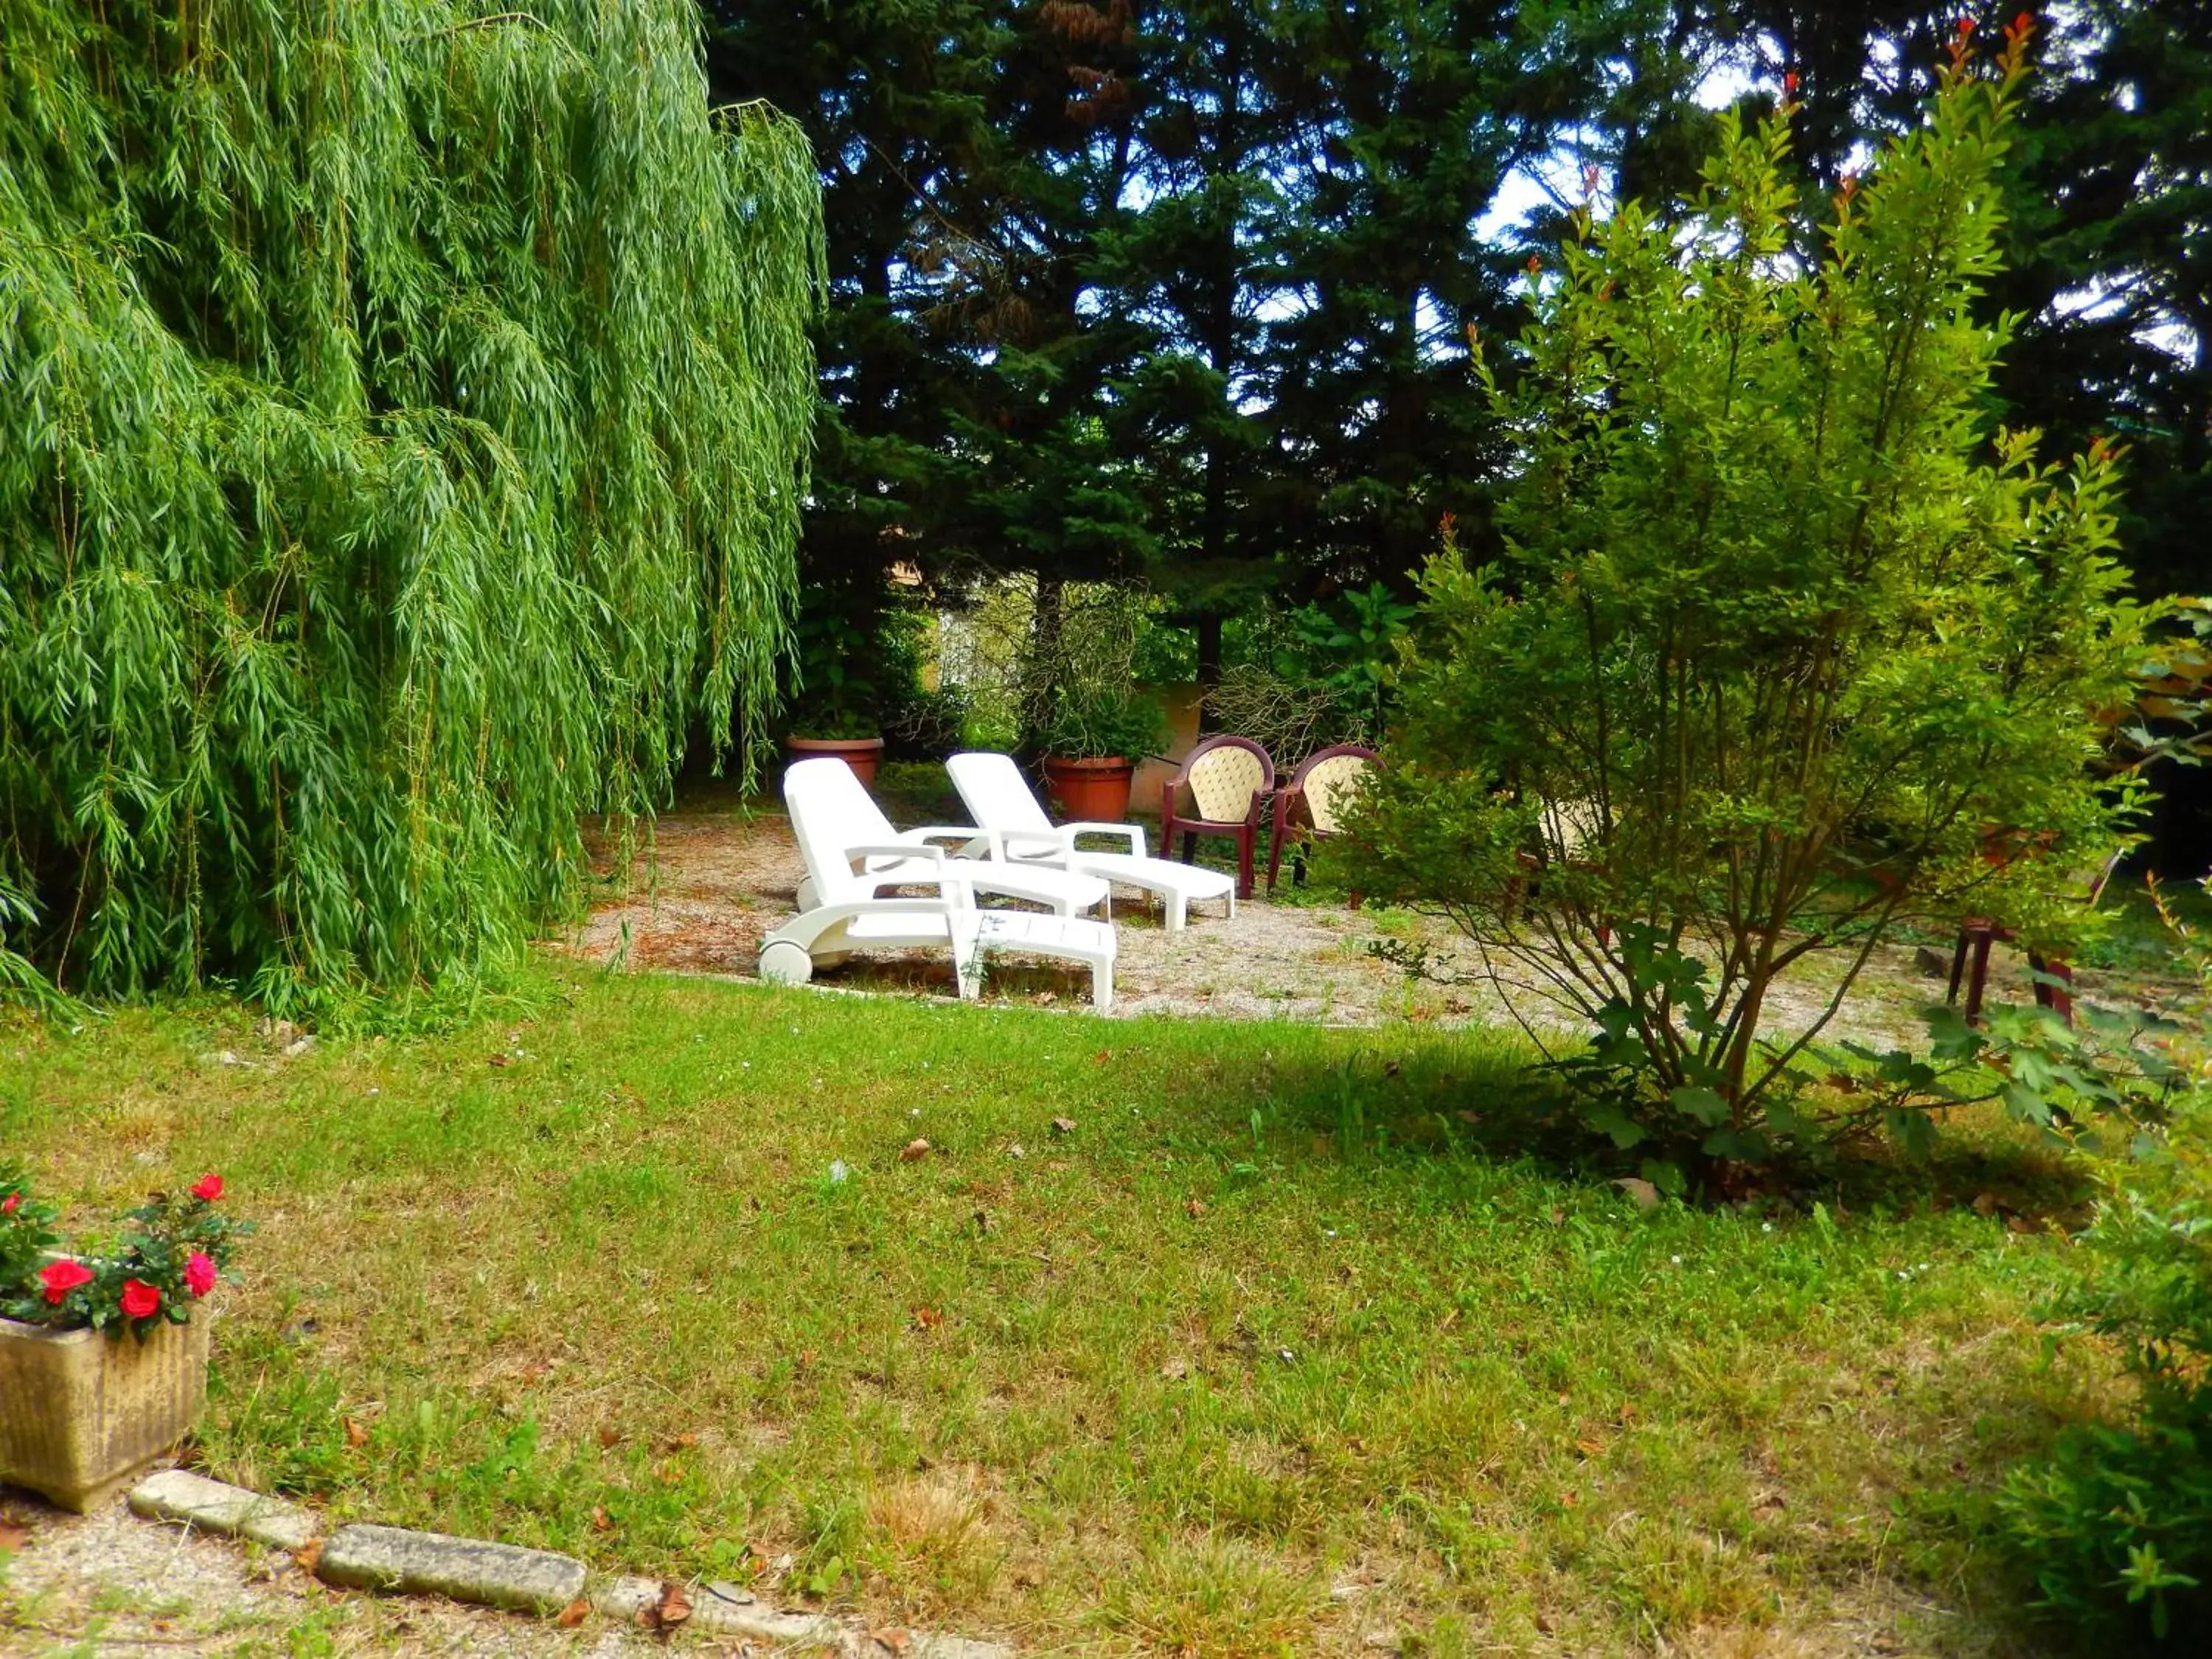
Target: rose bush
171, 1252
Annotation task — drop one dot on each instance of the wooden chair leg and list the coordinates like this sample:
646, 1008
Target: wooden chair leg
1957, 966
1275, 848
2054, 985
1247, 852
1189, 846
1978, 973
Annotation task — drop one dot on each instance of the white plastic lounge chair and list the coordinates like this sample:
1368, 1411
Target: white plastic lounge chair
848, 816
991, 789
844, 914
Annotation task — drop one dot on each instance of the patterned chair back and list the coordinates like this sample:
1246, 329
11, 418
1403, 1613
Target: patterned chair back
1222, 782
1328, 787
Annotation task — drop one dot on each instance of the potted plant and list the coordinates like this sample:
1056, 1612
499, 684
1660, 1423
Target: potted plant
831, 712
1092, 741
849, 735
102, 1365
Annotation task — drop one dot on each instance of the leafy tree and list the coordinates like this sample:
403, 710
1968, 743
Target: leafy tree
406, 414
1786, 640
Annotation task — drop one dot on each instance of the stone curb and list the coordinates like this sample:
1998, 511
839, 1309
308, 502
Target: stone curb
180, 1495
361, 1556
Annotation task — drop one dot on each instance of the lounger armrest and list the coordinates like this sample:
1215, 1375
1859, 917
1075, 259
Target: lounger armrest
966, 834
1030, 843
897, 849
850, 908
1133, 833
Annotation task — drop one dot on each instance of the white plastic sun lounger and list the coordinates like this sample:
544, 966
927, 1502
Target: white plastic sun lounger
848, 814
844, 913
991, 789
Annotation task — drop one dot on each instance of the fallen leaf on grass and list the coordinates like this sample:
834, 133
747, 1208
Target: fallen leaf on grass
499, 1060
574, 1614
891, 1641
1590, 1448
1102, 1056
356, 1435
1985, 1204
916, 1148
1175, 1369
927, 1318
1063, 1125
601, 1521
610, 1436
310, 1557
1194, 1208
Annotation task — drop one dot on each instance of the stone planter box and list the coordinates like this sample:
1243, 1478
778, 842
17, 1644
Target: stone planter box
82, 1413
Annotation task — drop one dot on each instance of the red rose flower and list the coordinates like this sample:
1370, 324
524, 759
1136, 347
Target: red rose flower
140, 1299
199, 1272
10, 1204
60, 1278
1790, 83
1966, 27
210, 1187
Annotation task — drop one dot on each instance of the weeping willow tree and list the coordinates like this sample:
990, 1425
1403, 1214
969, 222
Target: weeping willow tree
404, 412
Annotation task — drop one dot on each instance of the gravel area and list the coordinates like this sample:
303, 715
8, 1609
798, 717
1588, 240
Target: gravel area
715, 883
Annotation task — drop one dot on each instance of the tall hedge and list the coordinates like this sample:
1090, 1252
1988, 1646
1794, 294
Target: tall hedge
404, 412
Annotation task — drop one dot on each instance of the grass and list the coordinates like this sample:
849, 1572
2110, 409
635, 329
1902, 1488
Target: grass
1288, 1342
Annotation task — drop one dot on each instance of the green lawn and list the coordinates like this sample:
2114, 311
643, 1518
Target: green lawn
1288, 1341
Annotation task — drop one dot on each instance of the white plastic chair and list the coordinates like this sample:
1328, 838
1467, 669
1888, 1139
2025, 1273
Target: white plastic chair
841, 804
843, 911
995, 794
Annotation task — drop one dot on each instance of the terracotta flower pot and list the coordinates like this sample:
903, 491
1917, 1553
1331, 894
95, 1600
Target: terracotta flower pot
863, 755
82, 1413
1095, 791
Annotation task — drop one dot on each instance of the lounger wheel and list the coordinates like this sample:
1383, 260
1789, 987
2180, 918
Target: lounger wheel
783, 962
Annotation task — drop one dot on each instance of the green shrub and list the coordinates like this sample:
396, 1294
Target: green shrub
1783, 631
1094, 721
2116, 1523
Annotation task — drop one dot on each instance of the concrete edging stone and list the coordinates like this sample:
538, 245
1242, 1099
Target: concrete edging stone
362, 1555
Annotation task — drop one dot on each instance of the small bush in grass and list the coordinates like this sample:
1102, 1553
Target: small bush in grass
2116, 1523
1784, 633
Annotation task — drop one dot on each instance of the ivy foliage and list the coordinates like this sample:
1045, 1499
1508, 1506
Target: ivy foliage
405, 409
1787, 643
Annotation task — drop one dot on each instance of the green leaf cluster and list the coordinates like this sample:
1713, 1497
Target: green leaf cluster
404, 410
1788, 641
